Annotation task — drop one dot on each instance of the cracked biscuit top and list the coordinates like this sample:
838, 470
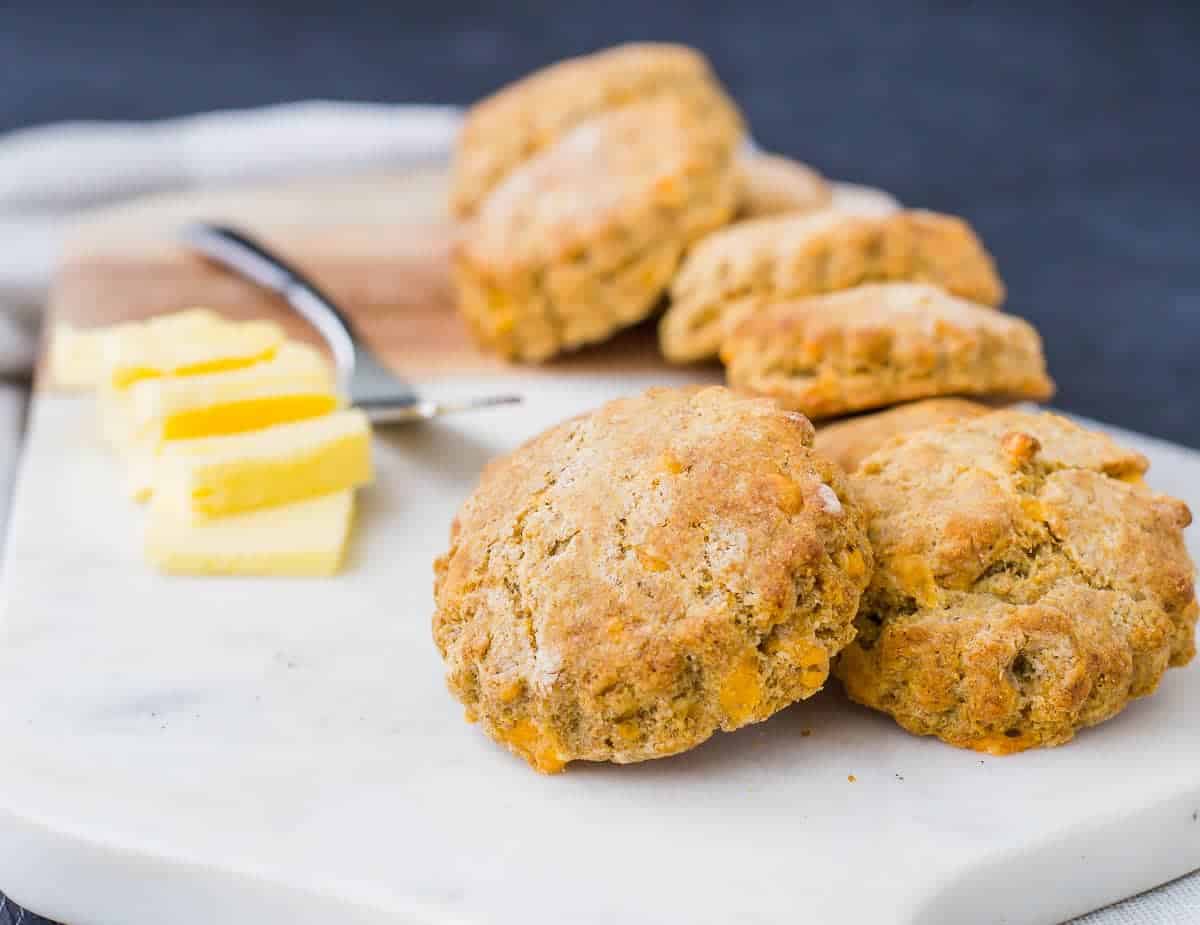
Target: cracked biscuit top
511, 126
583, 239
633, 580
735, 271
848, 442
1028, 583
880, 344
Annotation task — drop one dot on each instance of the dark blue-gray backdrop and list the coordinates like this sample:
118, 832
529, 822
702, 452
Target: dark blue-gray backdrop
1069, 133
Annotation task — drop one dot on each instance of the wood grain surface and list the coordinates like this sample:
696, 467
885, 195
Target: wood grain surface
378, 244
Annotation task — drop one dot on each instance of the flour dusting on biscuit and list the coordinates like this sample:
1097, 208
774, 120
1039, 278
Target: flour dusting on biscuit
636, 579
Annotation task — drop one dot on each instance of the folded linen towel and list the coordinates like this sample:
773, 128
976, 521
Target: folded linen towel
51, 176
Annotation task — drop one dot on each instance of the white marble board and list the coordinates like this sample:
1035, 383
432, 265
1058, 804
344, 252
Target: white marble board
284, 752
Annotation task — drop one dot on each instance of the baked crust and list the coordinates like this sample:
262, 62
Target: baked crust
772, 185
1028, 583
633, 580
857, 199
511, 126
583, 239
880, 344
850, 441
739, 269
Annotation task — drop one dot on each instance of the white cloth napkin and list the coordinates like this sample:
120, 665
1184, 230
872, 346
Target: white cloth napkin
51, 176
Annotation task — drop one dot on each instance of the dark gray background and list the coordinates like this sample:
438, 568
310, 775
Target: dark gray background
1068, 133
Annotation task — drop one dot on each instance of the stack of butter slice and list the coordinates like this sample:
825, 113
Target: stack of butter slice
232, 433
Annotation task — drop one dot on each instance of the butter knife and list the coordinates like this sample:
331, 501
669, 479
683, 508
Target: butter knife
369, 385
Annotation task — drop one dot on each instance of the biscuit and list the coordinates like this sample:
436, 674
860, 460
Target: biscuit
635, 579
511, 126
1028, 583
772, 185
738, 269
848, 442
881, 344
583, 239
856, 199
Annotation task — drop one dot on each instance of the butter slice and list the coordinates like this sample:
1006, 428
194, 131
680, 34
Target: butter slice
115, 414
303, 539
222, 476
137, 421
186, 344
76, 356
294, 384
140, 463
79, 358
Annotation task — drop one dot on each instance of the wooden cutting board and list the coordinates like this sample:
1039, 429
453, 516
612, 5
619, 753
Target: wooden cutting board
378, 244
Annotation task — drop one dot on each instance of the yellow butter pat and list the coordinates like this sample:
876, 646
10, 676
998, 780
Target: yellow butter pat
186, 344
303, 539
138, 421
80, 358
222, 476
140, 463
76, 356
115, 415
294, 384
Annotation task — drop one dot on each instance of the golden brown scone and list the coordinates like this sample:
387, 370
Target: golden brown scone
880, 344
850, 441
1028, 583
631, 581
737, 270
772, 185
583, 239
511, 126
